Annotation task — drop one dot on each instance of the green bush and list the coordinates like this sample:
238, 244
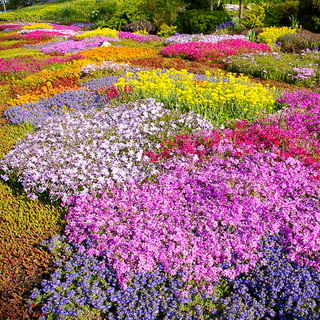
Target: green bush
279, 14
201, 21
254, 17
309, 14
298, 42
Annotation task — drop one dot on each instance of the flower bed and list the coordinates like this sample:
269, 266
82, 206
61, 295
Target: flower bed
218, 98
203, 51
184, 196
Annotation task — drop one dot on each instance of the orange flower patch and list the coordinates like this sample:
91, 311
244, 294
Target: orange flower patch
117, 53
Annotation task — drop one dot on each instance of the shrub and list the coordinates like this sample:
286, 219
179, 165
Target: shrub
166, 31
201, 21
254, 17
278, 14
140, 25
309, 14
271, 35
303, 40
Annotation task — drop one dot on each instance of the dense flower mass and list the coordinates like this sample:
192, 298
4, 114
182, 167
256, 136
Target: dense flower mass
218, 97
197, 219
105, 32
59, 105
112, 67
117, 53
211, 38
37, 35
72, 45
203, 51
83, 151
183, 195
137, 37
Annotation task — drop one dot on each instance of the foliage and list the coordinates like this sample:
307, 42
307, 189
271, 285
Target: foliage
309, 14
278, 14
161, 11
166, 31
201, 21
270, 35
69, 11
23, 224
303, 40
254, 17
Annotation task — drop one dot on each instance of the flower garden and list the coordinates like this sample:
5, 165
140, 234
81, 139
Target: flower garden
140, 181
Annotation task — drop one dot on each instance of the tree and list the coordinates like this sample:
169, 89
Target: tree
241, 4
4, 5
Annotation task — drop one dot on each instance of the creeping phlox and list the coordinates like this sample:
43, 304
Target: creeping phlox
203, 51
217, 97
85, 151
212, 38
79, 45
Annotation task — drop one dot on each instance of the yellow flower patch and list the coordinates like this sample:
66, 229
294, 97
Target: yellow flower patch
218, 98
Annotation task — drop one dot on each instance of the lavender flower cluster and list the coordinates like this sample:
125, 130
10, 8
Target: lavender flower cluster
84, 151
137, 37
57, 106
73, 46
100, 83
212, 38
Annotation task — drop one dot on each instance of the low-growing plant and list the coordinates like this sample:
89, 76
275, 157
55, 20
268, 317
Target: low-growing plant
108, 142
216, 97
216, 52
303, 40
271, 35
105, 32
117, 53
299, 69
